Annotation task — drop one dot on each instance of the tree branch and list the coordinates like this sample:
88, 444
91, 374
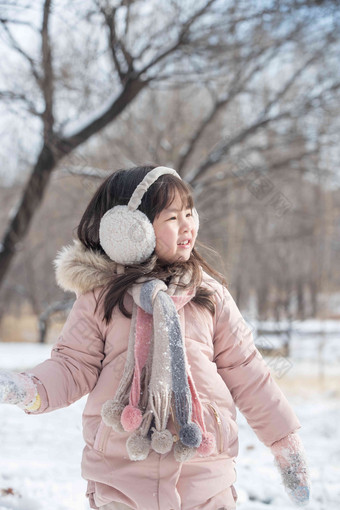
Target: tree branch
13, 96
180, 40
117, 45
65, 145
47, 82
223, 147
235, 88
18, 48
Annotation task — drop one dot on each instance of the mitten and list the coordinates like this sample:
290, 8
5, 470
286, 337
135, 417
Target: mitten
18, 389
291, 461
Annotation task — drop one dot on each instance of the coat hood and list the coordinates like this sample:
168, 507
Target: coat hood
80, 270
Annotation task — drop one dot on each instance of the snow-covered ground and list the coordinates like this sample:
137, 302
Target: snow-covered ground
41, 455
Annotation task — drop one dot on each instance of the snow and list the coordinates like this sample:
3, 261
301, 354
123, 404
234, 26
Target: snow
259, 482
41, 454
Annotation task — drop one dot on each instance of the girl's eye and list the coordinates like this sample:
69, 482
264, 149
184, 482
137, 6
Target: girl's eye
174, 217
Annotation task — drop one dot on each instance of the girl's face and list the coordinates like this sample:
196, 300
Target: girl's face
172, 226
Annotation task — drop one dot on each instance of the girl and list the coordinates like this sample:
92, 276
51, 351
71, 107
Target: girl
164, 353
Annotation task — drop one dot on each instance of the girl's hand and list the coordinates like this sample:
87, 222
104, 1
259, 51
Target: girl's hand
291, 461
18, 389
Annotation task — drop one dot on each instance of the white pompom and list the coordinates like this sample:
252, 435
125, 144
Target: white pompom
111, 413
162, 441
138, 446
183, 453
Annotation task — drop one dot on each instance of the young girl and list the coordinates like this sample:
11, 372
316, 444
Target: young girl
164, 353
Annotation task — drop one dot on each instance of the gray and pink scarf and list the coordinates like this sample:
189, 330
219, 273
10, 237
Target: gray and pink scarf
156, 379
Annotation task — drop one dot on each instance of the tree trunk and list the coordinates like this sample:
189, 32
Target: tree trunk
49, 156
314, 298
30, 201
262, 301
301, 313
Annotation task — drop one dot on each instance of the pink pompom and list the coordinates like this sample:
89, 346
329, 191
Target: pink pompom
207, 445
131, 418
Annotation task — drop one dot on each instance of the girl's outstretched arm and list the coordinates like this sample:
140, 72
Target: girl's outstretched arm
248, 377
75, 363
255, 392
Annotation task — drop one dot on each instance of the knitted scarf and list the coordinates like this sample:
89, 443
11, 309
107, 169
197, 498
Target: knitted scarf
156, 379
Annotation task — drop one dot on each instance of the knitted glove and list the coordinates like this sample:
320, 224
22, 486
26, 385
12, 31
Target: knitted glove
18, 389
291, 461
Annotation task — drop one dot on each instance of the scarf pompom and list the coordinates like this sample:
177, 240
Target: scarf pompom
131, 418
111, 413
191, 435
162, 441
182, 453
207, 445
138, 446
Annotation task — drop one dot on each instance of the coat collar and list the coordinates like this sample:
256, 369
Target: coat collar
80, 270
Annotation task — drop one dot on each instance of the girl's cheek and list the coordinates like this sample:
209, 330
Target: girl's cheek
161, 245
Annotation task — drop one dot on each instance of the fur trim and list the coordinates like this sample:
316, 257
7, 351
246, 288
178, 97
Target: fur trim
80, 270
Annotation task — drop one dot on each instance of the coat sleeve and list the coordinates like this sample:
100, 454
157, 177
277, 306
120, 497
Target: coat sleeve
76, 358
248, 377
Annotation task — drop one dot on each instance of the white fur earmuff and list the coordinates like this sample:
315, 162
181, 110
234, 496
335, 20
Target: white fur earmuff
127, 237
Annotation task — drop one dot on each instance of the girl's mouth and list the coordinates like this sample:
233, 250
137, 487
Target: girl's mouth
186, 244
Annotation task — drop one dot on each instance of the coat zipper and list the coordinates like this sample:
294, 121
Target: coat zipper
102, 437
219, 423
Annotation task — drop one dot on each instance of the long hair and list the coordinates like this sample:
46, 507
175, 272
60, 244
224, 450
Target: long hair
117, 190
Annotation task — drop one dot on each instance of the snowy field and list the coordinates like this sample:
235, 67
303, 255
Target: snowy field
40, 455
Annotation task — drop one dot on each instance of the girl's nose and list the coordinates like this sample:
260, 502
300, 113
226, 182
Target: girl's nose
186, 224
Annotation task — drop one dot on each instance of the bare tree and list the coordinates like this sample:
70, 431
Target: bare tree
226, 47
56, 145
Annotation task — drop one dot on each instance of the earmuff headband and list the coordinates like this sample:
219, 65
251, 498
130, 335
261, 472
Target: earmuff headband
145, 184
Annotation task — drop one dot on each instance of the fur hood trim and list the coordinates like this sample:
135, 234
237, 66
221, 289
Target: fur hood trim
80, 270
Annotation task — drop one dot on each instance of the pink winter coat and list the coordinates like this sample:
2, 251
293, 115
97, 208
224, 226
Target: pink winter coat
227, 368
